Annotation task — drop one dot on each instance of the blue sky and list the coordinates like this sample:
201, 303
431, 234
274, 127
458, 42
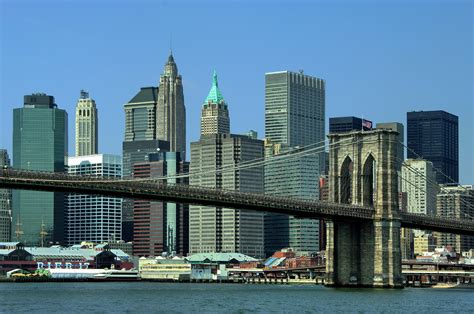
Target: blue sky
380, 59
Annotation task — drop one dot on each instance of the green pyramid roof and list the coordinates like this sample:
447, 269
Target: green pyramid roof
215, 95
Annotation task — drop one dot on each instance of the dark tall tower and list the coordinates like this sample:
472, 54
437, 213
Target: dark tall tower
170, 110
39, 143
434, 136
347, 124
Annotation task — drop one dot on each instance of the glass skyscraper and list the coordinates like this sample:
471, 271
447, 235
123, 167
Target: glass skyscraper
297, 178
434, 136
294, 117
39, 143
94, 218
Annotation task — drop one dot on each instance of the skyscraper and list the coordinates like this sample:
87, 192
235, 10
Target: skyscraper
294, 108
140, 117
297, 178
214, 112
140, 141
347, 124
433, 135
94, 218
294, 117
215, 229
160, 227
39, 143
218, 229
5, 203
170, 110
86, 126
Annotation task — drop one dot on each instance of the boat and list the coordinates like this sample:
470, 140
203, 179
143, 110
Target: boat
117, 275
453, 285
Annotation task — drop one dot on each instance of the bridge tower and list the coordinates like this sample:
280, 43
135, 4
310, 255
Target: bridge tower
362, 171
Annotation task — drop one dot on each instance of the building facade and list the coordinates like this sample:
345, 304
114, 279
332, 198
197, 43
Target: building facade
433, 135
347, 124
5, 203
214, 229
171, 112
294, 117
161, 227
86, 126
294, 108
140, 116
297, 177
94, 218
39, 143
214, 112
455, 202
418, 182
140, 140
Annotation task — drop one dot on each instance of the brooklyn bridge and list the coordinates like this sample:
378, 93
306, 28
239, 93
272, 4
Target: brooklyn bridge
363, 220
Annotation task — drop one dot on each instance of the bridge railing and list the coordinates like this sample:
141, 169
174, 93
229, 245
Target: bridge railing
144, 188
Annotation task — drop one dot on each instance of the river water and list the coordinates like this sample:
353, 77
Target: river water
152, 297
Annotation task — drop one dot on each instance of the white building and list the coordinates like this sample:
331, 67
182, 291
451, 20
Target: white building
86, 126
419, 182
94, 218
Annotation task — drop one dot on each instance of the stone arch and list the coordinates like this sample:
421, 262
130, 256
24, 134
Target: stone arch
369, 181
345, 181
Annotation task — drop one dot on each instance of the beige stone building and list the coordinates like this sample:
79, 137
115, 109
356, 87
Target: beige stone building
86, 126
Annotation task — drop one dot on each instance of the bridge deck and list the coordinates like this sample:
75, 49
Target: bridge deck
30, 180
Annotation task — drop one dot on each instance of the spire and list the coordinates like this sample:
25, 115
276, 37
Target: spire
214, 79
170, 58
215, 95
170, 67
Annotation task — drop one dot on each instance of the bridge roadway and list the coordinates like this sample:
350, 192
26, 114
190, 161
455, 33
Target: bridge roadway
48, 181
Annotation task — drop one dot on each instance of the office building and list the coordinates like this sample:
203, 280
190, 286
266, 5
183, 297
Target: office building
140, 141
433, 135
160, 227
39, 143
455, 202
418, 182
214, 112
133, 152
86, 126
170, 110
94, 218
140, 116
214, 229
297, 177
5, 203
294, 117
347, 124
294, 108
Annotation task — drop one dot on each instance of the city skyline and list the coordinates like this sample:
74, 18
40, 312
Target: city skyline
357, 85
